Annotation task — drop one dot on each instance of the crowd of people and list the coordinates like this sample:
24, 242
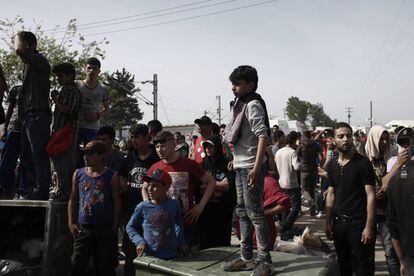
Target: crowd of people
170, 197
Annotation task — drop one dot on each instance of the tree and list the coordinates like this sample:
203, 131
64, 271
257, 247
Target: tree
124, 109
318, 117
70, 47
302, 111
297, 109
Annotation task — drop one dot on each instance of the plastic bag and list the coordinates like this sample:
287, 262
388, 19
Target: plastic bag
292, 247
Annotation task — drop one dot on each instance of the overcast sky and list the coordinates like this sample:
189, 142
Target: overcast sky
335, 52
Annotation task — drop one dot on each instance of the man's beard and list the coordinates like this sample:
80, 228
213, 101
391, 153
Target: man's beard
345, 149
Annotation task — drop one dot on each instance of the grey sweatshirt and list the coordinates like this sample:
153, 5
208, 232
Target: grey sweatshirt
252, 126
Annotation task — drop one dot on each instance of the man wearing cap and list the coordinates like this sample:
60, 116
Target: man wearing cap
400, 210
135, 167
95, 194
160, 217
204, 125
184, 173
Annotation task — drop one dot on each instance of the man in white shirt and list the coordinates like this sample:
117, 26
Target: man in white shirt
287, 165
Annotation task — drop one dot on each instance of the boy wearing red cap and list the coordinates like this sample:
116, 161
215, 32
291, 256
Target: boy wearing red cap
160, 218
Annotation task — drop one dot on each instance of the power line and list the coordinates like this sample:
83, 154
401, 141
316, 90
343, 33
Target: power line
134, 15
153, 16
384, 42
183, 19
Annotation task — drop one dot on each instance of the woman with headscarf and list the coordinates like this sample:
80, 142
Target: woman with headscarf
378, 152
216, 220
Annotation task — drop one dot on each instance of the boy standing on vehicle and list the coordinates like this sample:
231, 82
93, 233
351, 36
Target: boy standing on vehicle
249, 133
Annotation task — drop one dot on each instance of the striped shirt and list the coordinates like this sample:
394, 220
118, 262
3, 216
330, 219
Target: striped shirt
70, 96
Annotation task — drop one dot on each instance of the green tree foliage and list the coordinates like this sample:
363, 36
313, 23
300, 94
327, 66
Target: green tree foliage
297, 109
124, 109
58, 45
301, 111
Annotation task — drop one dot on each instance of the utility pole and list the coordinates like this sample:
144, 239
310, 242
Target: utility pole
349, 111
205, 112
370, 119
154, 83
219, 108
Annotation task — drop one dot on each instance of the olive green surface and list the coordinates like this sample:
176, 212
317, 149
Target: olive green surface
210, 261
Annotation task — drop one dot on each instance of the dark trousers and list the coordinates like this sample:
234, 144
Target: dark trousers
308, 181
96, 241
289, 217
129, 249
215, 225
391, 257
9, 156
409, 265
349, 248
35, 161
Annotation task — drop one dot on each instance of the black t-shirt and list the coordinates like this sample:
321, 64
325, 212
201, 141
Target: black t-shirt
349, 184
133, 170
400, 207
219, 172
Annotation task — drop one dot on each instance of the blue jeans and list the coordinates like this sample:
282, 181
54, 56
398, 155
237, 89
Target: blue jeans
391, 257
9, 156
290, 217
35, 161
250, 211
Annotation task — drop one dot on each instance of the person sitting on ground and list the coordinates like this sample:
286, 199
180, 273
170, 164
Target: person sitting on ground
113, 159
160, 217
67, 106
275, 200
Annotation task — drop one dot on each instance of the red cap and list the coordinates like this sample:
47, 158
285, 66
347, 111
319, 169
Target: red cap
159, 175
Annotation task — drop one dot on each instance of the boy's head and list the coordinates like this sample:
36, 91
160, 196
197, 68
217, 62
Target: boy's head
106, 135
92, 68
154, 126
65, 73
164, 144
204, 125
94, 152
177, 137
244, 80
292, 138
158, 184
139, 136
279, 137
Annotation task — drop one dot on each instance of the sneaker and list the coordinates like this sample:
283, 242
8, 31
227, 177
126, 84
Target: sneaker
238, 264
262, 269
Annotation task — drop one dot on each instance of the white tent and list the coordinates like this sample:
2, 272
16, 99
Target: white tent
404, 123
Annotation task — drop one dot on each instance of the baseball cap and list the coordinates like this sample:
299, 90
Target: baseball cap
203, 120
213, 140
94, 146
162, 137
405, 133
159, 175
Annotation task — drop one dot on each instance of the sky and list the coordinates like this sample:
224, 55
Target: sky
334, 52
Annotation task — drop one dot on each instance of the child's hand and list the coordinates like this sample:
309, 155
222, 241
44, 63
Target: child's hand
252, 178
141, 249
184, 250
